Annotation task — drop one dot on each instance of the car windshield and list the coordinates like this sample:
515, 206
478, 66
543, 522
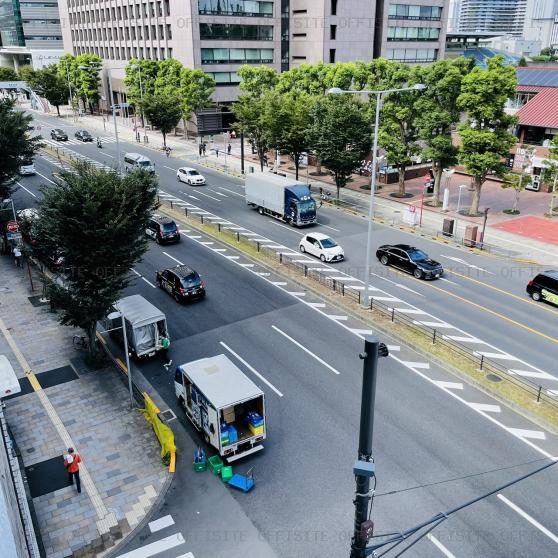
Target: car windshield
417, 255
191, 281
84, 133
169, 227
307, 207
193, 173
328, 243
144, 163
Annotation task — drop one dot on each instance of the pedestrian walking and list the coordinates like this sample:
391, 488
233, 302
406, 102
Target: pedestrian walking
217, 152
229, 147
266, 160
165, 344
17, 256
71, 462
204, 145
200, 149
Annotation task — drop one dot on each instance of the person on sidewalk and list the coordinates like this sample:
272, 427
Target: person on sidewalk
71, 462
17, 256
229, 147
165, 344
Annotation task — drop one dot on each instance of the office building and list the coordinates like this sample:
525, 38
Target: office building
30, 32
503, 17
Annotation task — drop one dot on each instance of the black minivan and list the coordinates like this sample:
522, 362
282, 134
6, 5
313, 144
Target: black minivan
544, 287
162, 229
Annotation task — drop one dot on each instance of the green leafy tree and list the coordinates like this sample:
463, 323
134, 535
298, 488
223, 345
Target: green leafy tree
550, 172
485, 137
8, 74
96, 220
16, 145
548, 51
196, 88
522, 62
67, 70
168, 77
138, 72
518, 182
288, 119
163, 111
340, 134
438, 114
47, 83
88, 68
307, 78
256, 80
26, 73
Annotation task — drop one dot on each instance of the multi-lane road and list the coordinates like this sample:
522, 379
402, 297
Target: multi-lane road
304, 355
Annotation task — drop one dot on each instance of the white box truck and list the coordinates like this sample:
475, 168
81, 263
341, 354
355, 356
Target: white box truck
281, 197
223, 404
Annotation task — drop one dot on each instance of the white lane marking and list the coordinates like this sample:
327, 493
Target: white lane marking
207, 196
149, 283
173, 258
321, 269
534, 434
219, 249
297, 294
193, 236
387, 298
448, 385
263, 273
463, 262
393, 347
316, 304
279, 283
501, 356
434, 324
463, 339
193, 197
486, 407
531, 374
46, 178
187, 555
233, 257
361, 288
446, 280
247, 265
201, 212
236, 228
207, 243
400, 285
285, 227
170, 168
344, 278
218, 193
303, 261
530, 519
552, 392
440, 546
134, 271
328, 227
28, 191
360, 332
305, 350
227, 190
155, 547
274, 246
339, 318
248, 233
423, 365
410, 311
253, 370
161, 523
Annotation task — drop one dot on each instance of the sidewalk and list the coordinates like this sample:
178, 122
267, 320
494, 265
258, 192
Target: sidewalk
526, 236
64, 404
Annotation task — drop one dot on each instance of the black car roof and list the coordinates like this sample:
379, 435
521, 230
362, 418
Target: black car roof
58, 130
182, 270
162, 219
552, 273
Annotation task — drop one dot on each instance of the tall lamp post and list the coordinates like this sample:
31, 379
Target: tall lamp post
70, 88
379, 97
461, 188
138, 67
114, 316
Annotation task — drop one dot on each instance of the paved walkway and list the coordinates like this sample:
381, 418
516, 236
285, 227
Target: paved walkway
63, 404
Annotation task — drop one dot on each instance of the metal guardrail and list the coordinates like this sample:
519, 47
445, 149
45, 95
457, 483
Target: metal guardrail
436, 337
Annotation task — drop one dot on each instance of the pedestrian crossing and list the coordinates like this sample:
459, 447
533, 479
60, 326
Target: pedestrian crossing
169, 544
73, 141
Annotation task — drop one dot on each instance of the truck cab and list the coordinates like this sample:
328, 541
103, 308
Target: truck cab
301, 206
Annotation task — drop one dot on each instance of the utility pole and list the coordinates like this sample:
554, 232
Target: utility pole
242, 152
484, 227
364, 466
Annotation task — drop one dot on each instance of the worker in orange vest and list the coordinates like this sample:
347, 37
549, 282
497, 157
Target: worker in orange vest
71, 462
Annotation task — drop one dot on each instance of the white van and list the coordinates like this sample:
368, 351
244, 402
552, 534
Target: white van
27, 168
135, 161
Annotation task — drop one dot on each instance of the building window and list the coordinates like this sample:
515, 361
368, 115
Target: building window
299, 35
225, 78
416, 55
333, 7
232, 32
331, 55
413, 33
332, 32
169, 31
236, 55
167, 7
405, 11
299, 57
235, 8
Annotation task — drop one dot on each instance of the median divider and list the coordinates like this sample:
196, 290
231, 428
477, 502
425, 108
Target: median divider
533, 399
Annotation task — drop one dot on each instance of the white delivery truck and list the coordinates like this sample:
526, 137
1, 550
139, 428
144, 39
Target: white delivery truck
146, 325
223, 404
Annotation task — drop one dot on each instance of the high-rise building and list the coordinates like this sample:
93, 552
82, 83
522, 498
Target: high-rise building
541, 22
219, 36
30, 32
505, 17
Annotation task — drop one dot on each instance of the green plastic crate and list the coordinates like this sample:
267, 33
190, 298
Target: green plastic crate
215, 464
201, 466
226, 473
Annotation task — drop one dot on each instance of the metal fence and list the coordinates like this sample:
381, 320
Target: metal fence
436, 337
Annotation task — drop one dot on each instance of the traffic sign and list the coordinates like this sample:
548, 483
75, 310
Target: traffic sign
12, 226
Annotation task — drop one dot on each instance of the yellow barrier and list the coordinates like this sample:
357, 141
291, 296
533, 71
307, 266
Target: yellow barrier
162, 431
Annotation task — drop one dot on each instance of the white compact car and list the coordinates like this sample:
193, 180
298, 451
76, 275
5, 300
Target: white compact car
321, 246
27, 168
189, 176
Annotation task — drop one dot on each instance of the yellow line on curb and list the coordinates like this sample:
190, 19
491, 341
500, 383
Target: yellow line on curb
122, 366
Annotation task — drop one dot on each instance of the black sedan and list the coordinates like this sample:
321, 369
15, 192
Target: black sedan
83, 135
410, 259
181, 282
58, 135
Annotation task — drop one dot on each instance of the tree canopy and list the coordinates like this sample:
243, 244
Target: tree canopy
163, 111
48, 83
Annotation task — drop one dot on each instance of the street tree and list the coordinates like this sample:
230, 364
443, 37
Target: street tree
26, 73
88, 67
340, 135
16, 144
485, 137
518, 182
196, 88
306, 78
8, 74
168, 77
140, 72
96, 219
287, 117
550, 172
47, 83
68, 71
256, 80
163, 111
438, 114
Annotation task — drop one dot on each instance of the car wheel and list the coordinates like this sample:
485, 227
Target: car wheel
384, 260
260, 210
302, 249
176, 297
157, 240
159, 283
536, 296
417, 273
178, 178
323, 258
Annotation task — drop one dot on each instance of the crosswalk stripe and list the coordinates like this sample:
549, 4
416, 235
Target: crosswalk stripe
534, 434
497, 356
448, 385
410, 364
161, 523
533, 374
485, 407
155, 547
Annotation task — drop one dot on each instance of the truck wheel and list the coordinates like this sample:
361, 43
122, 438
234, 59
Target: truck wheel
260, 210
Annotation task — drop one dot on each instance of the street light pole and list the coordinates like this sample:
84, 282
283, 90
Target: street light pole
111, 100
242, 152
484, 227
70, 88
127, 361
141, 101
461, 187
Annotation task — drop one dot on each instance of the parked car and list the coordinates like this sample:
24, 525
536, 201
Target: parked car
410, 259
181, 282
83, 135
162, 229
27, 168
544, 287
58, 135
321, 246
189, 176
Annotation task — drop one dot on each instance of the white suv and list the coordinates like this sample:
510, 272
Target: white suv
321, 246
190, 176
